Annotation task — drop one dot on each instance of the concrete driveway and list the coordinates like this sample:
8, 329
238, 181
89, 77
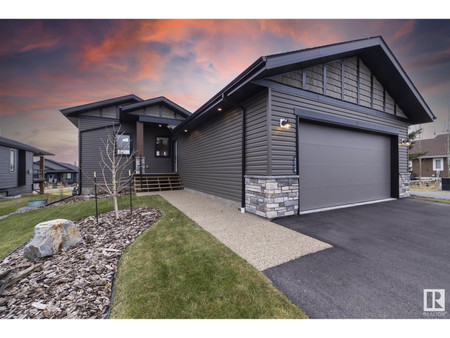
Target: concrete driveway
383, 257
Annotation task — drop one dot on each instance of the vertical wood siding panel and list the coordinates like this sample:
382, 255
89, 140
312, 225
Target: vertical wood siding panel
314, 79
334, 83
350, 80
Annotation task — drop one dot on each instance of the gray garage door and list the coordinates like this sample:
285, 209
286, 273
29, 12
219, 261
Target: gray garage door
341, 166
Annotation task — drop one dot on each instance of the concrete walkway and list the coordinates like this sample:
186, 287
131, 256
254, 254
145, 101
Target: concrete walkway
444, 195
259, 241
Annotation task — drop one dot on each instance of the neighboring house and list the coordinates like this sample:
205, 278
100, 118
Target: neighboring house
59, 172
295, 132
147, 131
436, 158
16, 167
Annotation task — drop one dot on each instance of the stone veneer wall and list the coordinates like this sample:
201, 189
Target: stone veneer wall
272, 196
404, 184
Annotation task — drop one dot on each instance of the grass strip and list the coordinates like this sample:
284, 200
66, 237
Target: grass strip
175, 269
431, 199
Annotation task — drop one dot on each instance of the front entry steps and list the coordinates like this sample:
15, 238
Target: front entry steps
157, 182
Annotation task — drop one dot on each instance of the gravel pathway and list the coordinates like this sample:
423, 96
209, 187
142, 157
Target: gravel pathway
20, 210
259, 241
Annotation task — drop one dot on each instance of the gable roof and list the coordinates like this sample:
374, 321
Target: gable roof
52, 166
373, 51
6, 142
155, 101
433, 146
72, 112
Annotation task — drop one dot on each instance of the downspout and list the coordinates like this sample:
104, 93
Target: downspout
224, 99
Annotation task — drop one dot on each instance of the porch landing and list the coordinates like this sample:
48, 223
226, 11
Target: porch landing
157, 182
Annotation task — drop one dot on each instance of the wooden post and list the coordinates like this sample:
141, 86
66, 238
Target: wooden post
95, 191
131, 200
42, 174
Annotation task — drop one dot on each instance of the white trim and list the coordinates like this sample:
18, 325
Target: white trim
12, 165
345, 206
432, 156
441, 168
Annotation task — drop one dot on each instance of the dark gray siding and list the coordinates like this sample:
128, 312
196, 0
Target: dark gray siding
9, 180
90, 123
356, 74
91, 147
256, 135
209, 157
29, 165
155, 164
283, 141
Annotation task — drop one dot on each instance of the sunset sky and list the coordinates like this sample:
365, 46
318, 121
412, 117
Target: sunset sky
47, 65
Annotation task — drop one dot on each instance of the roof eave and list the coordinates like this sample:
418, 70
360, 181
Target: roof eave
244, 78
153, 101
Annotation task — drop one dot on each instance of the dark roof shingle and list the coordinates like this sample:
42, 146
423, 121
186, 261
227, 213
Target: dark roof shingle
433, 147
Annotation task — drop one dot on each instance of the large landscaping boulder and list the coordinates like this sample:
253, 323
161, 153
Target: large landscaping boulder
51, 237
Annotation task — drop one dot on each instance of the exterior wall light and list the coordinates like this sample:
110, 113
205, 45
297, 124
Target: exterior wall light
284, 123
404, 142
219, 109
185, 130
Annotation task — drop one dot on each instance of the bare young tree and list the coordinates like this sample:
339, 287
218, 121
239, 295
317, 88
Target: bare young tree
116, 161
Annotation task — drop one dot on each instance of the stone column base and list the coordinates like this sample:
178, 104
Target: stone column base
272, 196
404, 184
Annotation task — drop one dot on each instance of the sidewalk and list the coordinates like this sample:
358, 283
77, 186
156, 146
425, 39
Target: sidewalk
259, 241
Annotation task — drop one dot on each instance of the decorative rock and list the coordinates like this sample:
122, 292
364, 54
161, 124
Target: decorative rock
39, 306
51, 237
56, 282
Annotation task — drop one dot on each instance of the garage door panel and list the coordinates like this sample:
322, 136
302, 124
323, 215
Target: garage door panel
341, 166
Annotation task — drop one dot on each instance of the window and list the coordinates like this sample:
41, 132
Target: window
123, 144
12, 160
438, 164
69, 176
162, 147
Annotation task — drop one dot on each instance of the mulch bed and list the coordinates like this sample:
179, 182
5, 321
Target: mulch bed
75, 283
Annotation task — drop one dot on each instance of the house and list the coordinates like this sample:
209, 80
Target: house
59, 172
146, 131
435, 159
295, 132
16, 167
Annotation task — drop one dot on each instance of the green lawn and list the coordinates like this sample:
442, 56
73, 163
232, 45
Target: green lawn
9, 205
175, 269
18, 228
432, 199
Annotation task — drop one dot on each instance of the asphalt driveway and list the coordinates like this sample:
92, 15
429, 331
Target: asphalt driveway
383, 257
